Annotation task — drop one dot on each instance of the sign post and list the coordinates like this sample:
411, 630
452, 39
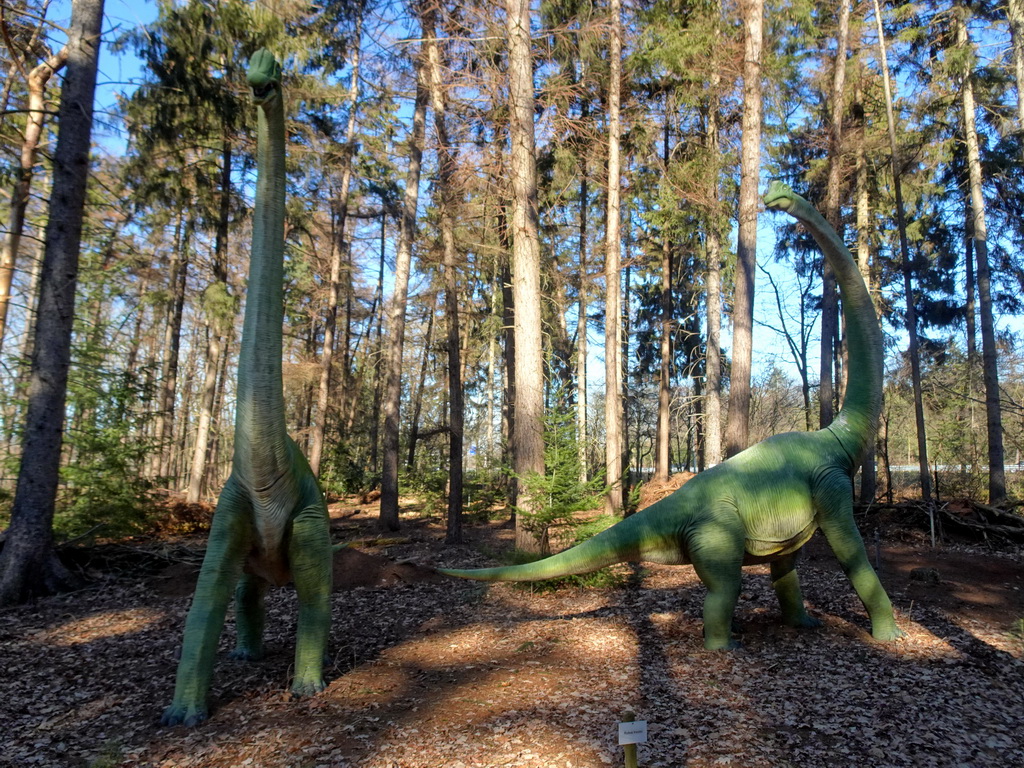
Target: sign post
631, 733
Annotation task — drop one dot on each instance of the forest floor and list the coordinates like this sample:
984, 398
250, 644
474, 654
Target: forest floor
427, 672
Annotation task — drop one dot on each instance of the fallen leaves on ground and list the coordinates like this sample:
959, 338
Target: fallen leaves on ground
441, 673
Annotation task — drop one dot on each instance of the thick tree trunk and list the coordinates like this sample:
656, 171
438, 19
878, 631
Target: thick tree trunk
28, 563
908, 287
528, 427
397, 310
833, 214
614, 444
37, 80
738, 430
989, 351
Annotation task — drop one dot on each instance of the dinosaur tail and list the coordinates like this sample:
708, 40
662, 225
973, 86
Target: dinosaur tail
858, 418
626, 541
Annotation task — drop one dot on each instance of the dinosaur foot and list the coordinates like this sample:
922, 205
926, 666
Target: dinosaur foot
246, 654
308, 687
888, 634
188, 715
805, 621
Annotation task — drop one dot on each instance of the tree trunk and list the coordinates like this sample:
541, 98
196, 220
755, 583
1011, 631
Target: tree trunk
417, 399
29, 565
612, 267
339, 248
447, 159
1015, 15
37, 80
171, 351
528, 428
738, 430
662, 462
713, 359
833, 214
989, 352
397, 310
582, 431
915, 360
218, 316
868, 472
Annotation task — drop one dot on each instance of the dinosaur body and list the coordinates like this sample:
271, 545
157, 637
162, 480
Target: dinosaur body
765, 503
271, 524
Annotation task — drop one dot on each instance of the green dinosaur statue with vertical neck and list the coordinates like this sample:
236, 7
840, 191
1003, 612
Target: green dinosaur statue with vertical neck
271, 524
765, 503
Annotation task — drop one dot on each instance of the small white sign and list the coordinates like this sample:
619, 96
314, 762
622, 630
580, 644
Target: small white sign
633, 733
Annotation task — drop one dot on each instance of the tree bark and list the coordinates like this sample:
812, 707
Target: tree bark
662, 460
833, 214
396, 313
713, 353
908, 287
738, 430
868, 472
29, 564
989, 351
339, 248
582, 427
614, 446
528, 428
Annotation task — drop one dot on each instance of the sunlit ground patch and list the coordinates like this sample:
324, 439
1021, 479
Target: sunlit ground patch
99, 626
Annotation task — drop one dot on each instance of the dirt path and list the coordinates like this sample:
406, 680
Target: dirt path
428, 673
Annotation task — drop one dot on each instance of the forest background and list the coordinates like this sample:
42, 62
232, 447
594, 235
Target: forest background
525, 257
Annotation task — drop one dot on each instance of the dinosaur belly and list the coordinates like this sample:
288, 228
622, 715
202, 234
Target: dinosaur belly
760, 550
271, 568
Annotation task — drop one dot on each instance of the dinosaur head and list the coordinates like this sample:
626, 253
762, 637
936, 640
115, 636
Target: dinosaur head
779, 197
264, 76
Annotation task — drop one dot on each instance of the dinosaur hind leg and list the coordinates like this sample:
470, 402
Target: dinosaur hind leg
787, 589
250, 617
310, 557
716, 551
833, 501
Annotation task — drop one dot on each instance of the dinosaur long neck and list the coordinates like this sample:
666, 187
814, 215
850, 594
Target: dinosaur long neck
858, 418
260, 434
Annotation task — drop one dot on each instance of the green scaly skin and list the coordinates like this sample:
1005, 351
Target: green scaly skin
765, 503
271, 524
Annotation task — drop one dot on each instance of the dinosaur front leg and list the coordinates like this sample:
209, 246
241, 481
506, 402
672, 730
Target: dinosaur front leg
310, 557
787, 589
250, 617
834, 508
716, 551
222, 565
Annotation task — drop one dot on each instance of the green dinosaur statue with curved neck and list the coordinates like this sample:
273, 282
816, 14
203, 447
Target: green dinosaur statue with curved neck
765, 503
271, 524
